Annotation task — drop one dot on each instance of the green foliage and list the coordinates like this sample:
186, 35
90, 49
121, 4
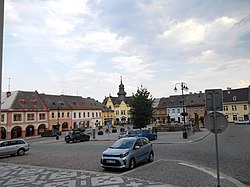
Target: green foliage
141, 108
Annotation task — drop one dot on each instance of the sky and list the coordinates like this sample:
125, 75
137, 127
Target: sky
84, 47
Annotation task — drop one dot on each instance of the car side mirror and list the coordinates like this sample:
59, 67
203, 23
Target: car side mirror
137, 147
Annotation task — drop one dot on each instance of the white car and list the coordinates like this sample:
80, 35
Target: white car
242, 122
13, 147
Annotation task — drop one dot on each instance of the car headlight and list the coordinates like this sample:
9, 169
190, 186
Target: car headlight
123, 155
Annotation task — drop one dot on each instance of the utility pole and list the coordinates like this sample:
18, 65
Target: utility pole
1, 50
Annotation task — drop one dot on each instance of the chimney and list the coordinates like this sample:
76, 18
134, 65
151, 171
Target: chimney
8, 94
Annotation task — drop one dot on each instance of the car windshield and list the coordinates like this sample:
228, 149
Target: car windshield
122, 144
135, 132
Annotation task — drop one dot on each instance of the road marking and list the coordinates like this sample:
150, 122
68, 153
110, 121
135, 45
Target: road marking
201, 169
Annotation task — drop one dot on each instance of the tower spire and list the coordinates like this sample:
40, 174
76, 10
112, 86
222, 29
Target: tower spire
121, 94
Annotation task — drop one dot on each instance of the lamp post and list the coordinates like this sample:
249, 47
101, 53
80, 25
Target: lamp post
57, 128
184, 87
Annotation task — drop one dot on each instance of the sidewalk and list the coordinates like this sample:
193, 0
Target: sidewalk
163, 137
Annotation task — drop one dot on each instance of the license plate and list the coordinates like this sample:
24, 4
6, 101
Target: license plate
111, 161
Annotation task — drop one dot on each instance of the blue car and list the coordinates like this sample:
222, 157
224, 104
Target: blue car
127, 153
143, 133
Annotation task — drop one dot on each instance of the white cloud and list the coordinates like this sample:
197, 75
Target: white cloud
101, 41
59, 26
244, 83
187, 32
135, 65
10, 12
69, 7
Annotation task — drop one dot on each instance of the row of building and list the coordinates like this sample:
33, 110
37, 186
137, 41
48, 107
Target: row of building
236, 106
31, 113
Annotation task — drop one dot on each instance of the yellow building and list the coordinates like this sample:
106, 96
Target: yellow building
120, 106
236, 104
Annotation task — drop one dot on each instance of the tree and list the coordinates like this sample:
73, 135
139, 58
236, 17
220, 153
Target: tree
141, 108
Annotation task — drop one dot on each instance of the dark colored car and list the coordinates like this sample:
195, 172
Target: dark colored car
51, 133
143, 133
76, 136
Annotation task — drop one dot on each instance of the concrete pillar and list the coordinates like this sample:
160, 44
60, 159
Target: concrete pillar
23, 133
8, 135
35, 132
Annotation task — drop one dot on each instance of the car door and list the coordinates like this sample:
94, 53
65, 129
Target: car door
146, 148
11, 147
138, 151
82, 136
3, 148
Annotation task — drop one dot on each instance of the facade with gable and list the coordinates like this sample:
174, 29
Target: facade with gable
120, 106
30, 113
236, 104
22, 114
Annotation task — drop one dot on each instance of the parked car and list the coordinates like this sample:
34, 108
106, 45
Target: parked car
242, 122
143, 133
76, 136
13, 147
51, 133
123, 134
127, 153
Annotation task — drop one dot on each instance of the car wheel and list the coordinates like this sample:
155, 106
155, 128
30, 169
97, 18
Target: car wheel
151, 157
20, 152
132, 163
74, 140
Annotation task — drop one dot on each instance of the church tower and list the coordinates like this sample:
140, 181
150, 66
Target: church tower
121, 94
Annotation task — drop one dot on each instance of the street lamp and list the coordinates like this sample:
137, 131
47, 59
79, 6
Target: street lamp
184, 87
58, 113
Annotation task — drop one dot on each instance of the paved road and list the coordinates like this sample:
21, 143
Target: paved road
176, 163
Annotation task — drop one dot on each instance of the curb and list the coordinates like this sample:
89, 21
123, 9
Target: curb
188, 141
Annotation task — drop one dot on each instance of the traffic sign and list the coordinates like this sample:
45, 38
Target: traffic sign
213, 100
216, 121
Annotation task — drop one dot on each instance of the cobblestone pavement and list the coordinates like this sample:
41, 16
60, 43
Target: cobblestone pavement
14, 175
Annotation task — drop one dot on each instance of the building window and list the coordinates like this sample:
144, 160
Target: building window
17, 117
79, 115
42, 116
225, 108
68, 114
100, 114
93, 114
96, 114
178, 110
173, 111
30, 117
234, 107
2, 117
52, 115
117, 112
74, 115
245, 107
84, 114
235, 117
88, 114
62, 114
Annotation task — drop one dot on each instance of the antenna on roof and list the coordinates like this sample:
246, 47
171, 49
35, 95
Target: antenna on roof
9, 85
